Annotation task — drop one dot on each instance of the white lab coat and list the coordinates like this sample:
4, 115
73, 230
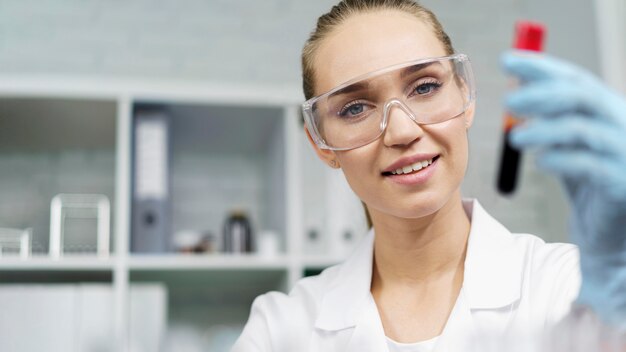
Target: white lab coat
512, 282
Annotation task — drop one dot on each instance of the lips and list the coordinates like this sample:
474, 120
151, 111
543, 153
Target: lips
413, 167
410, 164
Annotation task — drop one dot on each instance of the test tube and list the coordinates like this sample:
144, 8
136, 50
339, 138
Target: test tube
528, 36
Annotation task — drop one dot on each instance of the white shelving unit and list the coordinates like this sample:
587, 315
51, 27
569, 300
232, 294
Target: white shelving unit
253, 131
611, 29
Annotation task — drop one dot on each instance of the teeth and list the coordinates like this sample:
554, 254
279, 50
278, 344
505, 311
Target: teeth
413, 167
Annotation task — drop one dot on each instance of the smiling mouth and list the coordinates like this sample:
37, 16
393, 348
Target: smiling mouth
412, 168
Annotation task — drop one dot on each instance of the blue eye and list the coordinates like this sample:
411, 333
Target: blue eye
426, 88
353, 110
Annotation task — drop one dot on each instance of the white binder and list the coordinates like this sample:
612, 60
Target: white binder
151, 214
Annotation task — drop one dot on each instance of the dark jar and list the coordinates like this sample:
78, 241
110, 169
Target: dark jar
237, 233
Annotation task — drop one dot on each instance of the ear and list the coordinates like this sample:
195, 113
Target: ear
326, 155
469, 115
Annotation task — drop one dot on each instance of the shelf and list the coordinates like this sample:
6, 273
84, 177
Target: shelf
176, 262
42, 270
73, 263
173, 262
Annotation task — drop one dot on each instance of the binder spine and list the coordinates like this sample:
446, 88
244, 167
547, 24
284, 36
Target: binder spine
150, 187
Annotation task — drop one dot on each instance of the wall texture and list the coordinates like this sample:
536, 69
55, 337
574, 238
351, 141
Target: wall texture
251, 41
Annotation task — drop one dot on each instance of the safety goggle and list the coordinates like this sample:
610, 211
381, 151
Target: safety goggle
356, 113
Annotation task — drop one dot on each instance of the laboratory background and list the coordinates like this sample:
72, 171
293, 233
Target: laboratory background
154, 173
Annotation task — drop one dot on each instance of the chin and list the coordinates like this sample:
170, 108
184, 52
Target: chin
421, 205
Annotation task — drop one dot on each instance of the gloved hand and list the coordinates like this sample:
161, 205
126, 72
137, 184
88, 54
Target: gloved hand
578, 127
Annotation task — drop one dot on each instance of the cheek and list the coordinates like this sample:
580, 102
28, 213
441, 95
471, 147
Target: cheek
451, 136
359, 166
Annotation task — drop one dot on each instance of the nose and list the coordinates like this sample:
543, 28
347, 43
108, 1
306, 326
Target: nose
401, 128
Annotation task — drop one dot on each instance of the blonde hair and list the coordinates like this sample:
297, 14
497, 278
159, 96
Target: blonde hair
346, 8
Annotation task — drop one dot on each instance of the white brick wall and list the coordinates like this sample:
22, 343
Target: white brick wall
260, 41
217, 40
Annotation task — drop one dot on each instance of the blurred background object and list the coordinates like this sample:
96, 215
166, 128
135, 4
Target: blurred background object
15, 242
74, 77
78, 317
611, 23
79, 223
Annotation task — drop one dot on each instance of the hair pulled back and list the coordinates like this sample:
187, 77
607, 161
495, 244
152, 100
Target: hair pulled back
346, 8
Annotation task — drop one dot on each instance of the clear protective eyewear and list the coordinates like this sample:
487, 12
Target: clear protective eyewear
356, 113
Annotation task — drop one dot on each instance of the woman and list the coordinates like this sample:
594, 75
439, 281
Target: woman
390, 103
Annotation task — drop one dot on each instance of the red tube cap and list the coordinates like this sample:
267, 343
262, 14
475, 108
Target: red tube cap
529, 35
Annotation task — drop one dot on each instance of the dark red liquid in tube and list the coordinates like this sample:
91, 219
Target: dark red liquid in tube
528, 36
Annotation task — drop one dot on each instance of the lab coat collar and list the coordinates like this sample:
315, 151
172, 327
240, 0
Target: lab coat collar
349, 293
493, 274
493, 265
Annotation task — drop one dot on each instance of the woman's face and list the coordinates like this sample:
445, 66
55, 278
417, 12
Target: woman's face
368, 42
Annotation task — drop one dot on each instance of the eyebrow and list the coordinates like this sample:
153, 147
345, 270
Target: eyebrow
416, 68
359, 86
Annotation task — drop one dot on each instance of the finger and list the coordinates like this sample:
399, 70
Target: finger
571, 131
532, 66
601, 170
561, 97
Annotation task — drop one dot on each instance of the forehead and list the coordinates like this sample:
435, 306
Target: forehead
370, 41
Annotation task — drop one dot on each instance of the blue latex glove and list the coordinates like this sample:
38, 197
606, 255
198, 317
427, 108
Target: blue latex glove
578, 127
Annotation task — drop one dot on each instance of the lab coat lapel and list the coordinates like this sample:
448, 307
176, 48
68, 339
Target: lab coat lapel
368, 335
492, 280
492, 286
348, 311
459, 329
494, 264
